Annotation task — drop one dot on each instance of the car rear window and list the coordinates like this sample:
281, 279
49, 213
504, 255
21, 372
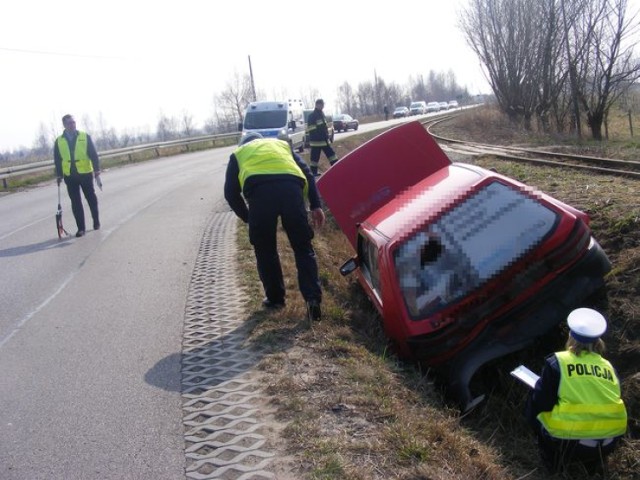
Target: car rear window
469, 245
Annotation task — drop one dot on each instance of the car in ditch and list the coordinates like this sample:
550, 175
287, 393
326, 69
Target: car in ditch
464, 265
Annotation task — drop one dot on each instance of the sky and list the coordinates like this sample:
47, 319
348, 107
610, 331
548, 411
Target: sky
129, 62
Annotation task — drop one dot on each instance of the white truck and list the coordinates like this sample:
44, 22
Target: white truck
283, 120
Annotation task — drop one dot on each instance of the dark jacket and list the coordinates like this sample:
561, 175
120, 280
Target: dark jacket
317, 127
233, 193
545, 394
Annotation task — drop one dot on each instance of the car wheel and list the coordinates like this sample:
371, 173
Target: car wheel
356, 127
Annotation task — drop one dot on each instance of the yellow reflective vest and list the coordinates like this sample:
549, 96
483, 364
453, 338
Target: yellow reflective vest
81, 156
267, 157
589, 404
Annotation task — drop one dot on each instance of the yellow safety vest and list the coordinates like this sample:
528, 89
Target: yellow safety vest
83, 162
589, 404
267, 157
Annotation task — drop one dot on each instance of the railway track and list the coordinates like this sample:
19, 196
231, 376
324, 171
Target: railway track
626, 168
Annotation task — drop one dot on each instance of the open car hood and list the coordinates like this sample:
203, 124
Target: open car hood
372, 174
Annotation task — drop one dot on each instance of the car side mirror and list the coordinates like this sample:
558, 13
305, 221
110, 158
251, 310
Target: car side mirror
349, 266
292, 124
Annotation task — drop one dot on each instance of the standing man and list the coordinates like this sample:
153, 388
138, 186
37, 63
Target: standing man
386, 112
575, 407
76, 160
274, 181
319, 137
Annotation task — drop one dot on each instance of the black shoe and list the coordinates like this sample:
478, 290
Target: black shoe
314, 313
80, 233
266, 303
96, 225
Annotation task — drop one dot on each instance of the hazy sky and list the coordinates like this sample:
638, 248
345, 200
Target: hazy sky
131, 61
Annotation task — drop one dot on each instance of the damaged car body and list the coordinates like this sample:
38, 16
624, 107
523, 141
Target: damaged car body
463, 264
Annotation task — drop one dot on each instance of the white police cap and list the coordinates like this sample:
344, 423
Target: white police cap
586, 325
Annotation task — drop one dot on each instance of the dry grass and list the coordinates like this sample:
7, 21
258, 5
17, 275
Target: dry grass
354, 412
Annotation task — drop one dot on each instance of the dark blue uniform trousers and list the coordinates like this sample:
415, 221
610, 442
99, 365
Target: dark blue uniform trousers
84, 182
284, 199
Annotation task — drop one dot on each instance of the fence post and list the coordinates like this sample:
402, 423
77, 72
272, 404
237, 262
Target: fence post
630, 124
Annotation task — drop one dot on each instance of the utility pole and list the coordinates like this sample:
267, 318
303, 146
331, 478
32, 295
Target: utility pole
253, 87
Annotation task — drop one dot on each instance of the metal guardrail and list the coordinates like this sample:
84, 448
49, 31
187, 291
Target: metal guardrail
34, 167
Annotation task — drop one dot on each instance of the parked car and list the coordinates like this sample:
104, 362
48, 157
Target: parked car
444, 106
453, 104
433, 107
400, 112
330, 128
418, 108
464, 265
344, 122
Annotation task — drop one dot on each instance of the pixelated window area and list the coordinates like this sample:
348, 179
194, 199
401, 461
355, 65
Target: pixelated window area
469, 245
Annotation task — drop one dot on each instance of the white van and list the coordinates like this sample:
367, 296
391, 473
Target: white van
281, 120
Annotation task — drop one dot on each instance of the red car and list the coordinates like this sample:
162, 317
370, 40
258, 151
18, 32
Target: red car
464, 265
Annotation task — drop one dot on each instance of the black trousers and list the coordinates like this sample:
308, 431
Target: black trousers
557, 453
314, 158
84, 182
268, 202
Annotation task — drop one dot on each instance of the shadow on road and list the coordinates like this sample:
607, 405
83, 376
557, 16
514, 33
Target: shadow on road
220, 359
34, 247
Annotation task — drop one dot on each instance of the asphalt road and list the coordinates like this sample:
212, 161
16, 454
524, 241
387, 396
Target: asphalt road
91, 328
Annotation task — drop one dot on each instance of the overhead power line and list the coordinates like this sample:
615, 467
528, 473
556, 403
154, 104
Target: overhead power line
58, 54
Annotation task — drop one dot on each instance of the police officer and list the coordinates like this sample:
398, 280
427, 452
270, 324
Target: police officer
77, 161
274, 181
575, 408
319, 137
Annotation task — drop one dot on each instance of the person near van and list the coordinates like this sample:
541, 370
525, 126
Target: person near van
575, 408
274, 181
76, 161
319, 137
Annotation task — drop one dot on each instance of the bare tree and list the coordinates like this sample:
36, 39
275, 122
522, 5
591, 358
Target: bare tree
310, 96
186, 120
42, 144
418, 89
106, 137
607, 65
167, 128
346, 98
237, 94
366, 99
504, 35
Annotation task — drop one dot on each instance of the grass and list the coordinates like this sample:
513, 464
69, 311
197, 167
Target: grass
353, 411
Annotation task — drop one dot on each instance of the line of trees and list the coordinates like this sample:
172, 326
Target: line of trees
555, 64
370, 98
365, 99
